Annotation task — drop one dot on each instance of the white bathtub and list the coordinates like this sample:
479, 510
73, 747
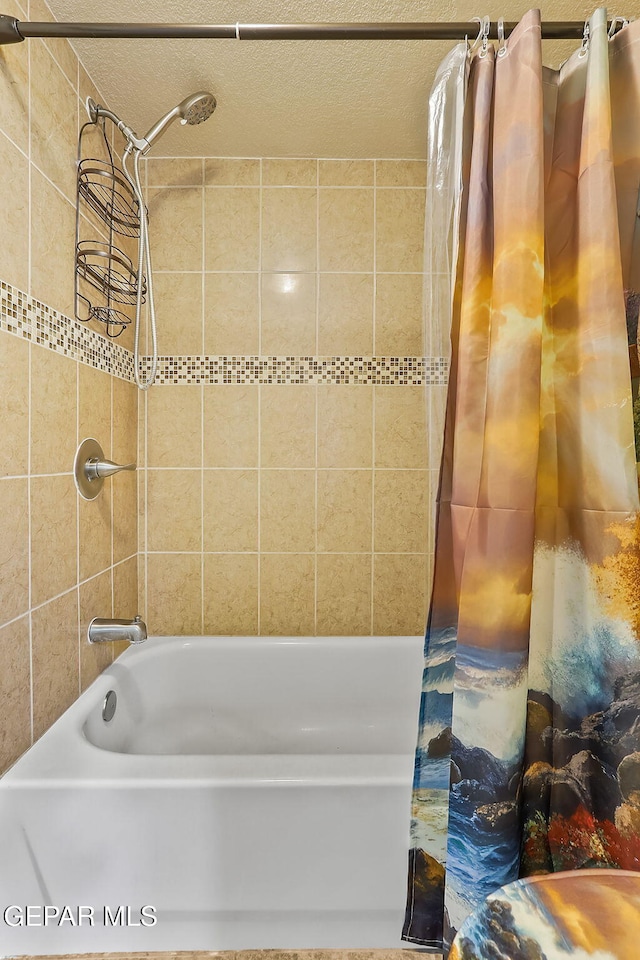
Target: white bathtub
255, 792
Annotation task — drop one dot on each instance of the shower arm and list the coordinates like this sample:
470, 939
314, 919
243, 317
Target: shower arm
13, 30
96, 112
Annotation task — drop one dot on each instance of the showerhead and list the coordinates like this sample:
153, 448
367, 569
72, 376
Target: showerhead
195, 109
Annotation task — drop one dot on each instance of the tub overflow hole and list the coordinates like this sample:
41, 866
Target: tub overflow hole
109, 706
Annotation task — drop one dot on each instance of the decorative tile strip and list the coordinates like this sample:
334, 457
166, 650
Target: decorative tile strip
30, 319
401, 371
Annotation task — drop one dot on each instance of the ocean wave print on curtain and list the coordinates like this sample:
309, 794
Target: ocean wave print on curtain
528, 755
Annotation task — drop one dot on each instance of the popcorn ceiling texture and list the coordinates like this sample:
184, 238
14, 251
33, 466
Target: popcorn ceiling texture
286, 98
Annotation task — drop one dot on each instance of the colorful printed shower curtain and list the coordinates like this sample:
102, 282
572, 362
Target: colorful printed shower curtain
528, 756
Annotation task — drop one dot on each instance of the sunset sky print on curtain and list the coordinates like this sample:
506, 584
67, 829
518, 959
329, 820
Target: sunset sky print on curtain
528, 755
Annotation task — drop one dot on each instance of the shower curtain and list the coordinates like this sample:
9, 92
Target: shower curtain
528, 755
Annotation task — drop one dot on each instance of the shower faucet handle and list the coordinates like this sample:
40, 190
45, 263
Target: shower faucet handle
91, 467
95, 468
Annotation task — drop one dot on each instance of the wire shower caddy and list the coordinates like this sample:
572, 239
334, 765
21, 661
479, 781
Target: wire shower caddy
103, 188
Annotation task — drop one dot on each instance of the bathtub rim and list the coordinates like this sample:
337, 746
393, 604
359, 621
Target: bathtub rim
63, 757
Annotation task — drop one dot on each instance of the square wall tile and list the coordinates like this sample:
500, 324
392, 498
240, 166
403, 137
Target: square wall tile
54, 641
231, 171
14, 86
175, 171
60, 49
288, 314
289, 227
231, 314
52, 249
287, 510
125, 589
345, 314
399, 323
174, 426
401, 438
232, 228
125, 529
230, 425
125, 420
345, 173
401, 512
345, 426
399, 595
287, 595
95, 601
288, 425
175, 226
230, 510
14, 208
400, 230
174, 594
344, 510
278, 172
178, 298
14, 405
346, 229
14, 549
53, 411
174, 510
401, 173
231, 594
53, 120
53, 536
344, 595
15, 692
94, 406
94, 527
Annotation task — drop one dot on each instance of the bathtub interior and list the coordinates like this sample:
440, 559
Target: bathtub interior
286, 832
261, 696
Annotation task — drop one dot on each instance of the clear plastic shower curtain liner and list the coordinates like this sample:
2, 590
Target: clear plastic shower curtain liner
528, 754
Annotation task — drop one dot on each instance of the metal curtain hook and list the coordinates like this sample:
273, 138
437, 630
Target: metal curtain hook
502, 43
614, 24
584, 49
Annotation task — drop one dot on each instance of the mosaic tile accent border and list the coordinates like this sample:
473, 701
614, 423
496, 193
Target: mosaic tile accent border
402, 371
30, 319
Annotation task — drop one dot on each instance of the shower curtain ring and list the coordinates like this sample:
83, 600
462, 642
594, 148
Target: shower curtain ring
613, 29
584, 49
484, 31
502, 43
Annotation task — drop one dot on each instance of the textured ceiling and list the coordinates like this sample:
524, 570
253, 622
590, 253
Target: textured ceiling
322, 98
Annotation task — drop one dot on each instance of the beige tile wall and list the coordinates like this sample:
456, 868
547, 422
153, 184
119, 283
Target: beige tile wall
295, 508
62, 560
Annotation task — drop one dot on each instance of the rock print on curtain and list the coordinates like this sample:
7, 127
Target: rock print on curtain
528, 755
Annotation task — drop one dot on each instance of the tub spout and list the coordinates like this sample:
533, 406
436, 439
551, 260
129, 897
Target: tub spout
102, 631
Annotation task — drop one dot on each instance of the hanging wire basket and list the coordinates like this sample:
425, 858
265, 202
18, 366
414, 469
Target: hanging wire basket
110, 195
109, 270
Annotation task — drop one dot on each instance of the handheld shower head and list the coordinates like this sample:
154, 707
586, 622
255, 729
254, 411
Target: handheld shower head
195, 109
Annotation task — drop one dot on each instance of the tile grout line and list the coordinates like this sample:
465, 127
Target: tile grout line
315, 411
259, 413
373, 398
64, 593
30, 412
202, 427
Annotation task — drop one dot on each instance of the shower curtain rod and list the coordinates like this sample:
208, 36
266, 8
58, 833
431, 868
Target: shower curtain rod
14, 31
